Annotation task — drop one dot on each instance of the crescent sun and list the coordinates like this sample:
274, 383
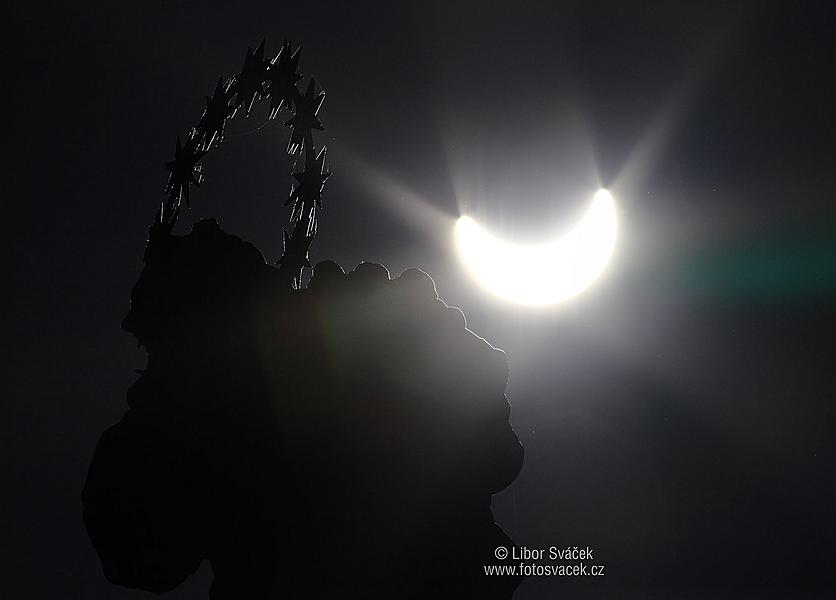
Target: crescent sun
545, 273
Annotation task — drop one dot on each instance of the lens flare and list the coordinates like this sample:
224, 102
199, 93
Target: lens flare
546, 273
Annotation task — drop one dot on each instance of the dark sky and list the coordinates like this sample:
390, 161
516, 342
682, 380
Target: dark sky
678, 416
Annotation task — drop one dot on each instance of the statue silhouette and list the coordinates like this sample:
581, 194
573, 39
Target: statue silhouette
341, 440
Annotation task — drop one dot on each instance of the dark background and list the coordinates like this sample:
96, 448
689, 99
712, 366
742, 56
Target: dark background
677, 417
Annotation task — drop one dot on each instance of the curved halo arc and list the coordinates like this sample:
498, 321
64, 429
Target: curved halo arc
546, 273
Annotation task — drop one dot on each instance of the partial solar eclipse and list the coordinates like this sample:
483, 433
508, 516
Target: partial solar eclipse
545, 273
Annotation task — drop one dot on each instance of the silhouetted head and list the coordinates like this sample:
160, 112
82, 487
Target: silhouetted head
193, 283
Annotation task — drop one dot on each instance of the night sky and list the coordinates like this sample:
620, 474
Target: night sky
678, 416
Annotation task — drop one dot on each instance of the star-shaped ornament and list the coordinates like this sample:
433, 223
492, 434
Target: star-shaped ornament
296, 247
283, 77
249, 83
308, 189
185, 169
295, 250
304, 118
210, 129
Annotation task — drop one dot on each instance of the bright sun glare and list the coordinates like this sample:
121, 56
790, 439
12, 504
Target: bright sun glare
546, 273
